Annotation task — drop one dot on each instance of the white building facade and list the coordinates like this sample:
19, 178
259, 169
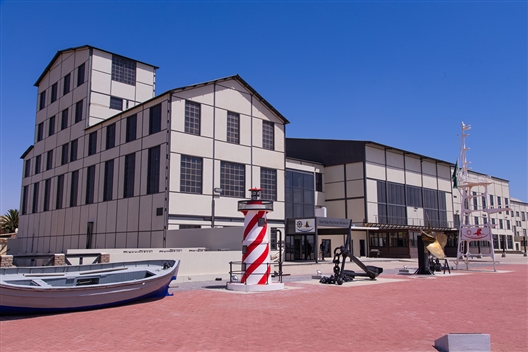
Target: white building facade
124, 167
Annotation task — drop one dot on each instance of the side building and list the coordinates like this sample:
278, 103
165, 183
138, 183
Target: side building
126, 167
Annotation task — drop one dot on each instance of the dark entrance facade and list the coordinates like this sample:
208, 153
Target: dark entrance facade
302, 241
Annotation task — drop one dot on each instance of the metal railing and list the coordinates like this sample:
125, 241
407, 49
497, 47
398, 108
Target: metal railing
233, 278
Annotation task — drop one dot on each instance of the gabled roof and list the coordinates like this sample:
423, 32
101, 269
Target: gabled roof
203, 84
60, 52
244, 84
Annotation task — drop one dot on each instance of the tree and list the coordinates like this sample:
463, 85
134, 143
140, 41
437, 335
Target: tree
9, 221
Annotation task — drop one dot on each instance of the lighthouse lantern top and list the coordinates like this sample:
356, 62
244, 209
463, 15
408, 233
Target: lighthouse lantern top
256, 202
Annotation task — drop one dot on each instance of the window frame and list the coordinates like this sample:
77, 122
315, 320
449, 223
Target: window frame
131, 128
268, 135
193, 123
191, 174
233, 179
233, 128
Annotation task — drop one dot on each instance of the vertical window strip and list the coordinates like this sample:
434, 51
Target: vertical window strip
60, 192
233, 128
25, 193
268, 183
131, 127
192, 117
268, 135
78, 111
73, 149
64, 156
130, 169
74, 188
66, 84
35, 197
108, 186
153, 170
110, 136
64, 119
90, 184
47, 190
155, 119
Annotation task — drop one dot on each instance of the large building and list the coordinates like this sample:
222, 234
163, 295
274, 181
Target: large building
114, 165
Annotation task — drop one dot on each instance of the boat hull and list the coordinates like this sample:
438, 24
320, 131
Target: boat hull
27, 299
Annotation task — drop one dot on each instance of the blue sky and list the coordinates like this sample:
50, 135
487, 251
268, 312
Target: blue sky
400, 73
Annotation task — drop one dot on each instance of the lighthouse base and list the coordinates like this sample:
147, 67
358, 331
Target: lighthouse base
236, 286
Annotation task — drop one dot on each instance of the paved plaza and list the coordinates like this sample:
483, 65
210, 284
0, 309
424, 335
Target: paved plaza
394, 313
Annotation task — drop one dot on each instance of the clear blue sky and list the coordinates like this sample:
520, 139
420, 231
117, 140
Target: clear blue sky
400, 73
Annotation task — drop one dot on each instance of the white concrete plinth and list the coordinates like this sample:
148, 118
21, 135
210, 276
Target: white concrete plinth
464, 343
235, 286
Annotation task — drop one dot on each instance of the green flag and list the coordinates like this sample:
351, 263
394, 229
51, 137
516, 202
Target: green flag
454, 177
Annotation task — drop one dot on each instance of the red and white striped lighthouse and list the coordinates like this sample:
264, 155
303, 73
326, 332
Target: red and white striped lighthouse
256, 263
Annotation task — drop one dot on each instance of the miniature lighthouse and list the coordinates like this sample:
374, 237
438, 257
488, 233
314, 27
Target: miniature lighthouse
256, 263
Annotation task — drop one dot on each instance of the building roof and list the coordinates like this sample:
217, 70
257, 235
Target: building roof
332, 152
60, 52
27, 152
197, 85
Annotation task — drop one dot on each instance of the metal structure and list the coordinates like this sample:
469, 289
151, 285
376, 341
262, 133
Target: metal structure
340, 274
471, 186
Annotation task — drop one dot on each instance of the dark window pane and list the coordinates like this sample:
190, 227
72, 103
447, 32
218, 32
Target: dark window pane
74, 188
80, 75
116, 103
153, 170
90, 184
130, 169
131, 126
191, 174
92, 143
155, 119
66, 84
108, 186
192, 118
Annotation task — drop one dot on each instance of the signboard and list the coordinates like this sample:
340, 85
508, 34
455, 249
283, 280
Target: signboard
475, 233
305, 225
334, 222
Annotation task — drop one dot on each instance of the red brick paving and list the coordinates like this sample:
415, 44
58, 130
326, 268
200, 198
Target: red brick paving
397, 316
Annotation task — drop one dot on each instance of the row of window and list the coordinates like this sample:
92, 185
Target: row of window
130, 135
232, 181
66, 84
193, 123
153, 177
232, 178
475, 202
64, 119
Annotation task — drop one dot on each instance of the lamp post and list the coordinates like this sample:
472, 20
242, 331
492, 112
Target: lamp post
524, 241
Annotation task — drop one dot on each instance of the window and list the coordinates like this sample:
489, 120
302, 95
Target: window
475, 201
47, 189
318, 182
25, 199
476, 220
80, 75
66, 86
483, 202
192, 118
49, 160
51, 126
110, 136
508, 224
64, 119
191, 174
233, 128
35, 197
74, 188
155, 119
501, 225
53, 92
37, 164
40, 131
90, 184
523, 217
300, 195
123, 70
414, 196
92, 143
78, 111
42, 103
491, 201
153, 170
64, 155
268, 135
73, 150
60, 192
131, 126
130, 169
232, 179
116, 103
108, 186
268, 183
27, 168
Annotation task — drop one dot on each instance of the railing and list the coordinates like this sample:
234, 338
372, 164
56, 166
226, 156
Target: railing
48, 259
233, 278
406, 222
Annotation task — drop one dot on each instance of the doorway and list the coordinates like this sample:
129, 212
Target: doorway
300, 247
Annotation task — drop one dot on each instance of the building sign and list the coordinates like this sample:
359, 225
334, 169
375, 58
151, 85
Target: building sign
334, 222
304, 225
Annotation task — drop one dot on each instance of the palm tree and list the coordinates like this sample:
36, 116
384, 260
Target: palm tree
9, 221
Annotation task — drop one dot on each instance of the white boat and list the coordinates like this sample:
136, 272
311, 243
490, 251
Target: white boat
50, 289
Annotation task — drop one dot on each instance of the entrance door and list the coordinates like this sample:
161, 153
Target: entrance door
303, 247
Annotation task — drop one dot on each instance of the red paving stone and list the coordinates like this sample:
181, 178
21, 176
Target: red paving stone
397, 316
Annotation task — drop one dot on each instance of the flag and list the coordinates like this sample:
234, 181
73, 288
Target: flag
454, 176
